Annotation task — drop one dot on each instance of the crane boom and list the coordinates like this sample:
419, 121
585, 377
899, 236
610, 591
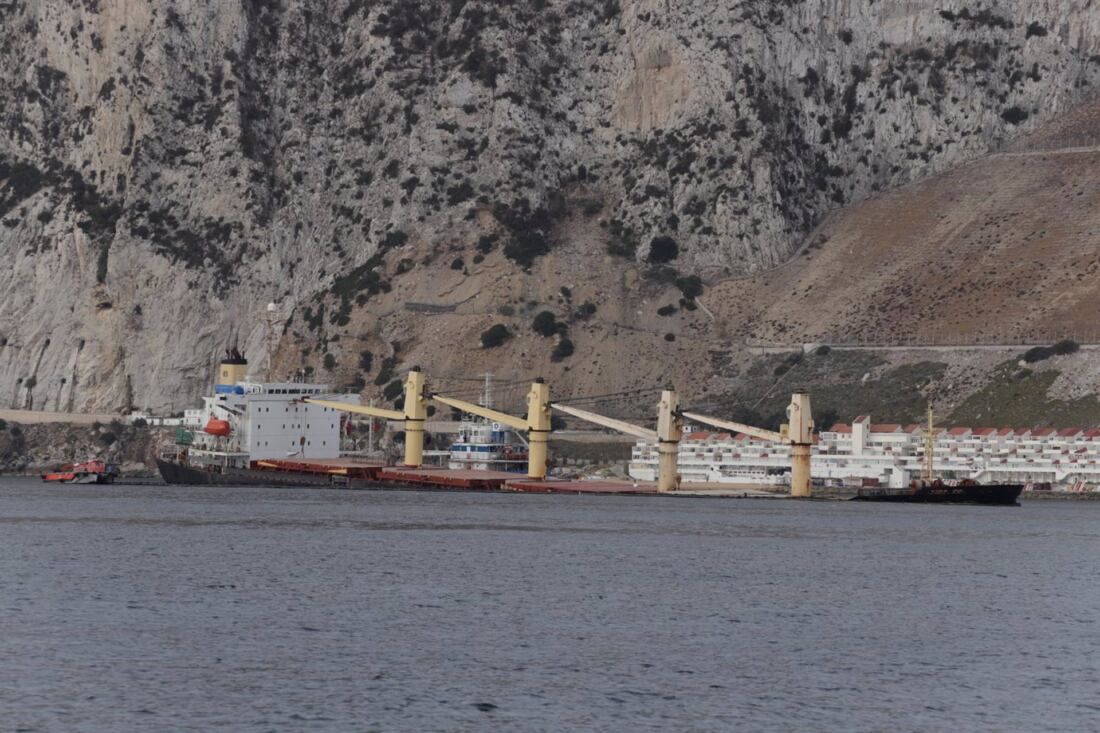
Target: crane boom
511, 421
359, 409
738, 427
607, 422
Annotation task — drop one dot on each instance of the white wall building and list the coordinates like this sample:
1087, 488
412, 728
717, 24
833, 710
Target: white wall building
889, 454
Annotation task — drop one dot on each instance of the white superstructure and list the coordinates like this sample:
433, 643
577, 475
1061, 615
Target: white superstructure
890, 455
245, 421
487, 446
269, 420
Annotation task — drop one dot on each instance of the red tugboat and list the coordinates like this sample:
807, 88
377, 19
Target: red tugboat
91, 472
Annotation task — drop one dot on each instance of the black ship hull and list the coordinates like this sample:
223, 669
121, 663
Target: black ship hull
936, 493
177, 473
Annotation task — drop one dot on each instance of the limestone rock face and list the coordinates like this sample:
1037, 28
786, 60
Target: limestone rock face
168, 168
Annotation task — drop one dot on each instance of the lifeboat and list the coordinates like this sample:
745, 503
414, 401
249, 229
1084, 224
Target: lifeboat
217, 427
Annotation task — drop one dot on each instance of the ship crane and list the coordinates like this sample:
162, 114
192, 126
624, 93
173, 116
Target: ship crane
667, 435
798, 433
536, 424
414, 415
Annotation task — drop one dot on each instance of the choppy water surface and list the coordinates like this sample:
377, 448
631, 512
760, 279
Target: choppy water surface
154, 608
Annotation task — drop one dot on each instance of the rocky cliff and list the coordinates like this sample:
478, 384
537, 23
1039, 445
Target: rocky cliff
168, 168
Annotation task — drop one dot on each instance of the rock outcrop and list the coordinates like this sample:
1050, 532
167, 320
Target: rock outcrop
167, 169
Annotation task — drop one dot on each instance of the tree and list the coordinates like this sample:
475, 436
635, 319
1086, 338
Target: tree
545, 324
563, 350
663, 249
495, 336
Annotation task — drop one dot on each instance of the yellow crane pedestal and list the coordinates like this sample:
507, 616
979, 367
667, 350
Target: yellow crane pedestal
798, 433
538, 429
667, 435
416, 412
670, 428
537, 424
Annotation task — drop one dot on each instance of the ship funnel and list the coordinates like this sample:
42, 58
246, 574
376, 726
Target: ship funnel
232, 369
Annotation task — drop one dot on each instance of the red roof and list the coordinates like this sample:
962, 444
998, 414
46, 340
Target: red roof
984, 431
723, 437
913, 428
697, 435
885, 428
840, 428
1042, 432
1069, 432
1006, 431
1092, 434
958, 431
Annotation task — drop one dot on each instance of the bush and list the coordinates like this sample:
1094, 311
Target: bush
666, 310
495, 336
393, 389
107, 438
1014, 115
691, 286
663, 249
563, 350
366, 358
329, 362
587, 309
1035, 29
1066, 346
822, 350
139, 422
525, 247
557, 422
1039, 353
3, 425
670, 337
545, 324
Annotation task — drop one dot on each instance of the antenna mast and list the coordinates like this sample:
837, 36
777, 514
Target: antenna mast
272, 316
487, 394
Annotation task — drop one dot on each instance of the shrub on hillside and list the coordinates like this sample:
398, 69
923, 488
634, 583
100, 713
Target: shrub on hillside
495, 336
545, 324
563, 350
1065, 346
662, 250
1014, 115
1039, 353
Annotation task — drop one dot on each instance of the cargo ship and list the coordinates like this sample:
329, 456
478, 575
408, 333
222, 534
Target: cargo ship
90, 472
946, 492
930, 490
262, 434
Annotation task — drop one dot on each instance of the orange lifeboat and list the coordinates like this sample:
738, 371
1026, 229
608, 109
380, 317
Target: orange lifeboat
217, 427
